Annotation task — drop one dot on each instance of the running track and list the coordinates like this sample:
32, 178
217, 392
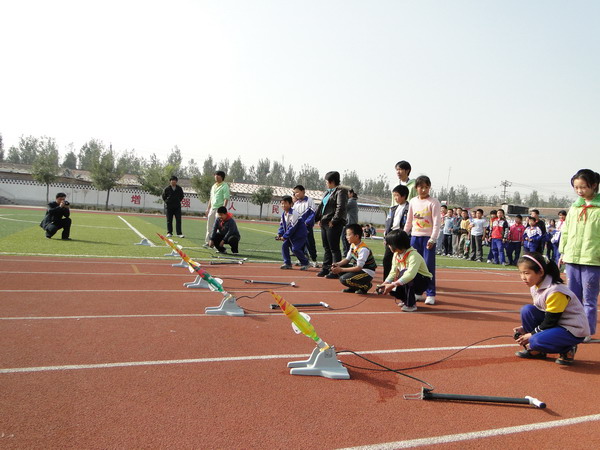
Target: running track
118, 354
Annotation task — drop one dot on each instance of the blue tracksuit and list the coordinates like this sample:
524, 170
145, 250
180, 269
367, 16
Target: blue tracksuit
294, 232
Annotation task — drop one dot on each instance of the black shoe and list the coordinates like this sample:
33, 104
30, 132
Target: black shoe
48, 237
527, 354
566, 359
349, 290
323, 273
332, 275
66, 239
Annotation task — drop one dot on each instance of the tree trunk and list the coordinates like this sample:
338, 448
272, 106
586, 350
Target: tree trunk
47, 192
260, 213
107, 194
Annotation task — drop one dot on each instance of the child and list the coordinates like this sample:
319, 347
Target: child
476, 229
409, 275
515, 240
439, 245
357, 278
499, 234
456, 232
396, 219
542, 226
488, 235
424, 222
463, 243
306, 208
448, 231
556, 321
292, 232
532, 235
562, 214
225, 231
548, 241
580, 243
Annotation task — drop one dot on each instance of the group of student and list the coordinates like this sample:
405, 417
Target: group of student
560, 318
464, 235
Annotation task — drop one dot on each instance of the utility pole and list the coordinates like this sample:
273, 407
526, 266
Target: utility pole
505, 184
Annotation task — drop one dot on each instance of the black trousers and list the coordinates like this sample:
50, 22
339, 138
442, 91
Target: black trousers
331, 244
53, 227
311, 246
233, 241
388, 256
174, 212
406, 292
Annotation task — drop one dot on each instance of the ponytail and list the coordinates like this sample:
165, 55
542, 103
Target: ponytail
537, 262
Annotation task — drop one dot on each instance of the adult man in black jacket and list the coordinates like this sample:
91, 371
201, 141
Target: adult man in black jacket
172, 196
57, 217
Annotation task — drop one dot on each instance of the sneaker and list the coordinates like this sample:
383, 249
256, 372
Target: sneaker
419, 297
285, 266
323, 273
169, 235
304, 267
479, 260
362, 291
181, 235
315, 264
430, 300
65, 239
48, 237
349, 290
566, 359
407, 308
206, 246
489, 261
297, 264
587, 339
332, 275
530, 354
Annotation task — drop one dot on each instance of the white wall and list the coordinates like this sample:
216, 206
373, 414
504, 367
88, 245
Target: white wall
25, 192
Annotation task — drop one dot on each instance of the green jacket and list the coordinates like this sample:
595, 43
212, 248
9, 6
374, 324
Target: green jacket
412, 192
580, 234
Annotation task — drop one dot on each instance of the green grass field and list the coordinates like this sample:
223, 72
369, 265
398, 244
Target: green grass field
99, 234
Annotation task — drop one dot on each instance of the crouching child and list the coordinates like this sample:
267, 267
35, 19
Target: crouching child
225, 231
357, 269
409, 276
293, 232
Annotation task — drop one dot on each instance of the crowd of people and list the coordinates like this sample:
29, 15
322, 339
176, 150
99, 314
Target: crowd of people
417, 229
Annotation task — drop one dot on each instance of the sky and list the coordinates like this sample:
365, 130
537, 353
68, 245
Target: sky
470, 92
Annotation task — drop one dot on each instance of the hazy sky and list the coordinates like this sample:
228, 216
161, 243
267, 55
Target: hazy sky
494, 90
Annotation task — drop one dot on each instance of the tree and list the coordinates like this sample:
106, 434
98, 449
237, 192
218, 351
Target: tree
516, 199
290, 177
45, 167
351, 180
533, 199
89, 153
309, 178
276, 175
209, 167
1, 148
259, 173
70, 161
130, 163
106, 172
202, 184
190, 170
237, 171
28, 149
260, 197
154, 176
13, 155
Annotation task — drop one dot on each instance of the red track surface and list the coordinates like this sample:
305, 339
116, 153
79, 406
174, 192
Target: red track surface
66, 317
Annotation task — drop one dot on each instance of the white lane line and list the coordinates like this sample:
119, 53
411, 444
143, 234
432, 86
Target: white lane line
314, 313
449, 438
137, 232
224, 359
78, 225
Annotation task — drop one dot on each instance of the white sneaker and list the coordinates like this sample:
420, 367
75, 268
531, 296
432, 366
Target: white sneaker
181, 235
587, 339
406, 308
169, 235
430, 300
419, 297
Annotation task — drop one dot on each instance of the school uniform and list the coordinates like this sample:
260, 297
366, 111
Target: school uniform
360, 255
294, 232
395, 220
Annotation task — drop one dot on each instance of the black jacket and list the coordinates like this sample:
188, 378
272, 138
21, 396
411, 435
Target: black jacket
225, 229
172, 198
54, 214
335, 209
389, 221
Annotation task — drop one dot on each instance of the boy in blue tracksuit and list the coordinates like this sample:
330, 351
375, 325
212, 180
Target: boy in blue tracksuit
307, 210
293, 232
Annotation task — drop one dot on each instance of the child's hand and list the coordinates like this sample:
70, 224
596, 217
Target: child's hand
336, 269
524, 339
387, 287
